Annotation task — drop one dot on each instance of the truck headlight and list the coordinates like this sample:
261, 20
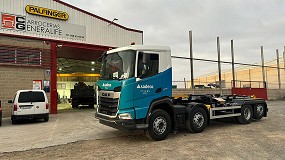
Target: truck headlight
125, 116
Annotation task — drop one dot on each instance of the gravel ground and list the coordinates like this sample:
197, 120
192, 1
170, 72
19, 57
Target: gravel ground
264, 139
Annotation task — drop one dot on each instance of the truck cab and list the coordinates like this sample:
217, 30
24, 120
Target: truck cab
132, 78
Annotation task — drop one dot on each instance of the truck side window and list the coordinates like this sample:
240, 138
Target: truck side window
149, 68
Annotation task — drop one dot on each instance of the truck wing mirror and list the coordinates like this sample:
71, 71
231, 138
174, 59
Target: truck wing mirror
102, 57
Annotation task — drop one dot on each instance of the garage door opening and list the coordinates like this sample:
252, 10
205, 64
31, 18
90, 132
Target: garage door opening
78, 70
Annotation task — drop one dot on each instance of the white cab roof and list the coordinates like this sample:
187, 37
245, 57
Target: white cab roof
153, 48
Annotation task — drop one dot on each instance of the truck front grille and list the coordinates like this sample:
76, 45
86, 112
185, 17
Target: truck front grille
108, 106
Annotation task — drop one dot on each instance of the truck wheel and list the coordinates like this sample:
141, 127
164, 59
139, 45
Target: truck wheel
0, 122
246, 115
259, 111
197, 120
159, 125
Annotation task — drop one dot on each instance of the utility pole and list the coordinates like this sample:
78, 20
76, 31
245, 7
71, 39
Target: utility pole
219, 64
278, 69
233, 63
262, 65
191, 61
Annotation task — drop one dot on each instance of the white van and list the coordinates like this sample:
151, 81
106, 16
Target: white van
29, 104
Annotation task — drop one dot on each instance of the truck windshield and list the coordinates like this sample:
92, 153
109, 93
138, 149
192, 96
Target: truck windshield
118, 65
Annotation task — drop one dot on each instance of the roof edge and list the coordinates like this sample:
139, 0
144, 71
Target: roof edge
98, 17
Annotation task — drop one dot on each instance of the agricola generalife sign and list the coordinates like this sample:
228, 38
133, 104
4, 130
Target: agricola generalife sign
35, 25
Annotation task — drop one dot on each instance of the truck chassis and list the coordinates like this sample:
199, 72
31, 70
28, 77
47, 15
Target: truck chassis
195, 113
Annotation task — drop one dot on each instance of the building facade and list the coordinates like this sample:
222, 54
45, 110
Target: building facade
34, 34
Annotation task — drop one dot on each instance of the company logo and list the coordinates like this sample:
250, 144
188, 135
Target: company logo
13, 22
106, 94
47, 12
107, 85
145, 86
35, 25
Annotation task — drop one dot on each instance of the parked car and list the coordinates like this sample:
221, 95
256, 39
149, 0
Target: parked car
201, 87
0, 114
213, 85
29, 104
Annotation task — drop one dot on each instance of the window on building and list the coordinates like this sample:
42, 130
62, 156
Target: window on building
11, 55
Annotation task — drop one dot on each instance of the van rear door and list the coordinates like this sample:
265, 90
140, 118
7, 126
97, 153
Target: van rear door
25, 103
31, 102
40, 102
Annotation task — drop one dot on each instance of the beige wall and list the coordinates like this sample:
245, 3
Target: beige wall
16, 78
248, 74
13, 78
4, 40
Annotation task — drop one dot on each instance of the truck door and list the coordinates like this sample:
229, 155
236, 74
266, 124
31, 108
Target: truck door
148, 86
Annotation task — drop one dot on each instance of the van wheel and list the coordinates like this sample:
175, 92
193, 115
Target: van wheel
196, 121
246, 115
46, 119
14, 121
159, 125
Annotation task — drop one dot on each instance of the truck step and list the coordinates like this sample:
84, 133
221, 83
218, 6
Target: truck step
224, 116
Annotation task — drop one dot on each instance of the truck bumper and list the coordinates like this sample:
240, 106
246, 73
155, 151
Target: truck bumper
121, 124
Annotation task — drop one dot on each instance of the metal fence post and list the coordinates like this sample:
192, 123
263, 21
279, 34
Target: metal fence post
249, 76
262, 65
278, 69
219, 64
233, 63
284, 59
191, 60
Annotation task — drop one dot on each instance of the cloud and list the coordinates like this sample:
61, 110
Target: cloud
251, 24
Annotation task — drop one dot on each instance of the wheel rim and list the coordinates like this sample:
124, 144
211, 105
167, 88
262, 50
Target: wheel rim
259, 110
247, 113
198, 120
159, 125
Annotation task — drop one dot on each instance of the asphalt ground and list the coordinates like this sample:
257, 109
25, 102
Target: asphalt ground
69, 125
223, 139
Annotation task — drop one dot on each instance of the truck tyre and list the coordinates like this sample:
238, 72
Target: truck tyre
159, 125
74, 106
246, 115
0, 122
259, 111
196, 121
